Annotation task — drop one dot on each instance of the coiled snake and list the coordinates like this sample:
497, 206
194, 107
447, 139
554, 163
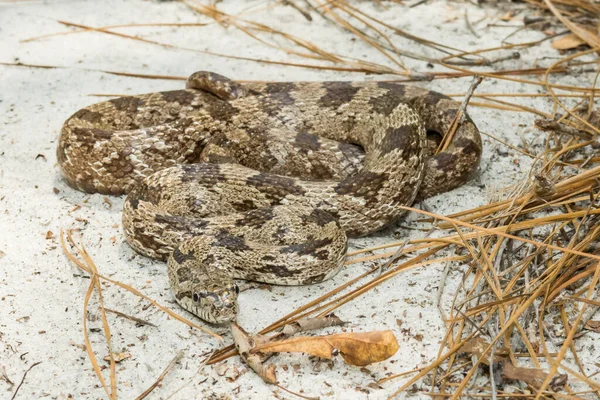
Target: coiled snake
262, 181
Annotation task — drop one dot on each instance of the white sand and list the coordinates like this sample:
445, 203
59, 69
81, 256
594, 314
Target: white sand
42, 294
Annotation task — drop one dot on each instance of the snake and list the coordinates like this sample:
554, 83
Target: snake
264, 181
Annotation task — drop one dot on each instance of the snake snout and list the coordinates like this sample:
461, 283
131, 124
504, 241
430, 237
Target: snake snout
218, 305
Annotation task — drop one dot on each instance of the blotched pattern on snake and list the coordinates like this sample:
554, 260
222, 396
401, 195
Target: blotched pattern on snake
263, 181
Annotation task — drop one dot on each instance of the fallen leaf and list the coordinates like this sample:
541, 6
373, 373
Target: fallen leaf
593, 326
118, 357
360, 349
532, 376
311, 324
244, 343
567, 42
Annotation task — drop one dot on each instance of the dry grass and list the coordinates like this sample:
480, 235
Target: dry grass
532, 255
78, 255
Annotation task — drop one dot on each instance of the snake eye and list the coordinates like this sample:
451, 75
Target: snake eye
196, 298
237, 289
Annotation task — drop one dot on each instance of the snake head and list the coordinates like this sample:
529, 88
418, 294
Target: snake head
216, 304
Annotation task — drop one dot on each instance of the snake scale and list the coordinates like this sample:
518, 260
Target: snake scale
263, 181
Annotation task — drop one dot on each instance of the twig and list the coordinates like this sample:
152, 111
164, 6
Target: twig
461, 114
295, 6
23, 379
135, 319
296, 394
441, 289
590, 311
547, 125
397, 256
492, 380
477, 79
171, 365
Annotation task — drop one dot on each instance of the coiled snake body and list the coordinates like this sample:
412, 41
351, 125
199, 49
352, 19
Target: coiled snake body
262, 181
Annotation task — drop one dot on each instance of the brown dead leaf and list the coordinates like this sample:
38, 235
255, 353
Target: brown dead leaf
360, 349
567, 42
244, 343
532, 376
118, 357
310, 324
593, 326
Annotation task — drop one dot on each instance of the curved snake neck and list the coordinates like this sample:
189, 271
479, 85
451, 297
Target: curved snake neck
263, 181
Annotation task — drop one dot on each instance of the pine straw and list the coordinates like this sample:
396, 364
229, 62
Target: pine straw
82, 260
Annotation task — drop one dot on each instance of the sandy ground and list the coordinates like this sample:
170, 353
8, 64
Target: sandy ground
42, 294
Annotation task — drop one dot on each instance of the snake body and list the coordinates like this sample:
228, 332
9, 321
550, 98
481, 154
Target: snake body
263, 181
